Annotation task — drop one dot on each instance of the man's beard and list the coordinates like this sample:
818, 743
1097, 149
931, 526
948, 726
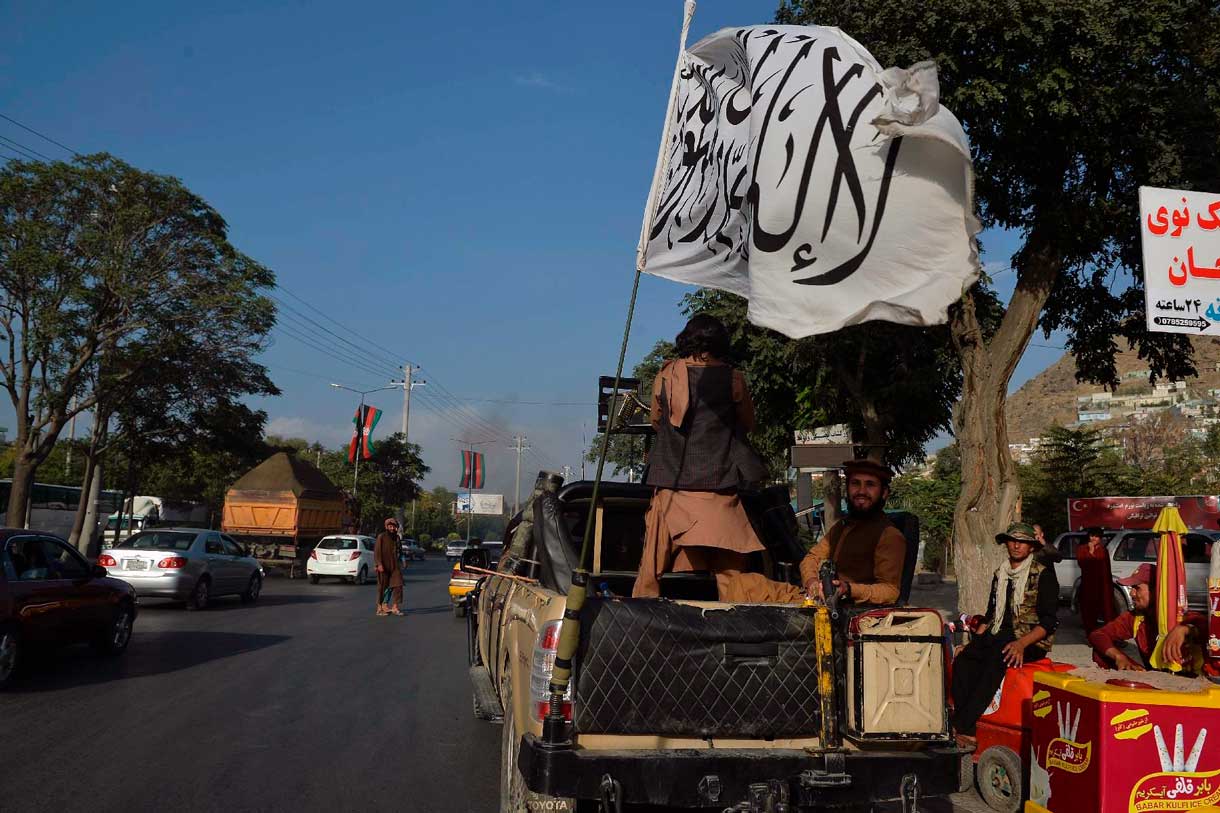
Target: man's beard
865, 513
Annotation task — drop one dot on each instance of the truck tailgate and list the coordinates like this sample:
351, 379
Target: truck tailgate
728, 671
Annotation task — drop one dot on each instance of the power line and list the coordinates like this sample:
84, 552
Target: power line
308, 342
28, 152
358, 348
368, 343
40, 135
528, 403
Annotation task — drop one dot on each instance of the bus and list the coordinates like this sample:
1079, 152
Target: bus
53, 508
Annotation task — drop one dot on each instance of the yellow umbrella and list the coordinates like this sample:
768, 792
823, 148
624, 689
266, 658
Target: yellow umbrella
1170, 582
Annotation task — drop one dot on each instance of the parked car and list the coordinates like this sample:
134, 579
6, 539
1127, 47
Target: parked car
1128, 549
187, 564
413, 550
49, 594
453, 550
347, 557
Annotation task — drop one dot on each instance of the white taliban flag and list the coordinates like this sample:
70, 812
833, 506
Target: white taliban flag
799, 174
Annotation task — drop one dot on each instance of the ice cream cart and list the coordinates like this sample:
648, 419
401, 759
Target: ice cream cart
1123, 742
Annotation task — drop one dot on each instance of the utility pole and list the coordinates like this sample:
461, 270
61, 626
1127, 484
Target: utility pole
518, 448
407, 385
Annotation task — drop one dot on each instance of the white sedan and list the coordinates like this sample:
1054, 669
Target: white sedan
342, 557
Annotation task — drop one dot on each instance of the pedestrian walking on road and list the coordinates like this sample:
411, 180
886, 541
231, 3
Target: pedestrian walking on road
389, 570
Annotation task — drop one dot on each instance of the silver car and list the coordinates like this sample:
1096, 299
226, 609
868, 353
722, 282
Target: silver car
1128, 549
187, 564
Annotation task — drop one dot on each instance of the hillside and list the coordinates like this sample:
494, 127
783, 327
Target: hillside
1050, 397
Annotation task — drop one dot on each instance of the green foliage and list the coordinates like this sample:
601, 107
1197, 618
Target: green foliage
121, 294
932, 499
893, 384
1070, 106
453, 536
1071, 463
387, 482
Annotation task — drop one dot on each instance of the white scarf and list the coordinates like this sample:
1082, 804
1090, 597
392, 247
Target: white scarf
1019, 576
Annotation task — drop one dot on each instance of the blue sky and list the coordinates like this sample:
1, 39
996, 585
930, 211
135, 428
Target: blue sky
461, 185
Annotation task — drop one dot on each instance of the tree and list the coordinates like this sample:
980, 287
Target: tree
224, 442
387, 482
1070, 463
101, 265
894, 385
1069, 106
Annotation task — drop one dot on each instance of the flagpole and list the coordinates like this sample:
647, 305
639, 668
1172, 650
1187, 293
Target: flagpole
359, 445
360, 428
553, 730
470, 444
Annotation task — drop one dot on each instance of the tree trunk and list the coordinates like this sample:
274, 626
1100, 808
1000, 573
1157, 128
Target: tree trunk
90, 536
832, 498
24, 469
83, 505
990, 496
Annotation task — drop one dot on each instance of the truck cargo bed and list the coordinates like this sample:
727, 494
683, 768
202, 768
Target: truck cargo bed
672, 669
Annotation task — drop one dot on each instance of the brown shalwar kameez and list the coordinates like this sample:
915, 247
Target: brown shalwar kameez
700, 409
386, 554
868, 552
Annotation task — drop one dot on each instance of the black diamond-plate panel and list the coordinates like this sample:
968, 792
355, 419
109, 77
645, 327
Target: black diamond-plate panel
655, 667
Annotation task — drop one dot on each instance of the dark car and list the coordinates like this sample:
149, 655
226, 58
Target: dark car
50, 595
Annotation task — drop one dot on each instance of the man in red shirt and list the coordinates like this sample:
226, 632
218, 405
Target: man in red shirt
1182, 644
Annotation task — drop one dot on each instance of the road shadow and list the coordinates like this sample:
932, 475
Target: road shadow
229, 603
150, 653
439, 608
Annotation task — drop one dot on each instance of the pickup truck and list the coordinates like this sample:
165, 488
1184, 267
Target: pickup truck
688, 703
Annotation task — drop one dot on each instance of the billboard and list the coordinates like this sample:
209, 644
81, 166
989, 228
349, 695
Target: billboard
1141, 512
1180, 235
492, 504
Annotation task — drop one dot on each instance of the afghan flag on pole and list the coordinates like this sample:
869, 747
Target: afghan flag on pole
473, 472
363, 423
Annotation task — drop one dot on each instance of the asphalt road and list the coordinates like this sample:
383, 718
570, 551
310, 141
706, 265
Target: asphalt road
304, 701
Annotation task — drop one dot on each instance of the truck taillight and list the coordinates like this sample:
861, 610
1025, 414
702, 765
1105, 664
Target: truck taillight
355, 555
540, 672
172, 563
106, 560
313, 554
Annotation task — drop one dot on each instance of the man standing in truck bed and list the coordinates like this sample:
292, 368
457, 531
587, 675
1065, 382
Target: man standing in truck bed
867, 549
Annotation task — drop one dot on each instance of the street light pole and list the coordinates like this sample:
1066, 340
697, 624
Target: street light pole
359, 426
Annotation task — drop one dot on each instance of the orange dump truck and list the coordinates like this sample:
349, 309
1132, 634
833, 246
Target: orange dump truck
282, 507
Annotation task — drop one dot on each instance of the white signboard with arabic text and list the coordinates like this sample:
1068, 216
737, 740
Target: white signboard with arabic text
1180, 233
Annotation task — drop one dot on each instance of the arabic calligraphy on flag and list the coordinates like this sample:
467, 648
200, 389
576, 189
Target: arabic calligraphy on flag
801, 175
1180, 235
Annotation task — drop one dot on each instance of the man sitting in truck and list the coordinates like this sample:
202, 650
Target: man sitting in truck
867, 549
